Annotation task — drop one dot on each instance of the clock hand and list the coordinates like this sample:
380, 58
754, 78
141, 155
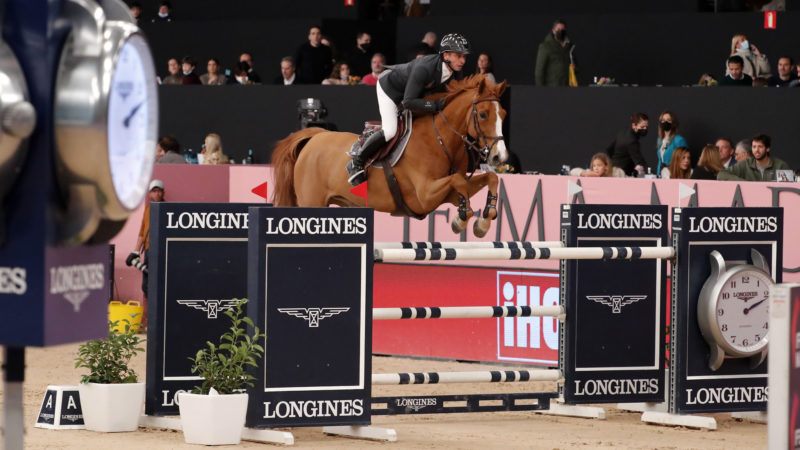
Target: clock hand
127, 120
747, 310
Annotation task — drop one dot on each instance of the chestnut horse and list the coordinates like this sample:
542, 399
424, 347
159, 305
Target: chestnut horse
310, 164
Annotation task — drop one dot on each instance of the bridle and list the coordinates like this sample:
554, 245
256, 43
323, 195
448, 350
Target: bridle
489, 141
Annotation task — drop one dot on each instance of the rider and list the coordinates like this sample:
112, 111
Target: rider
407, 84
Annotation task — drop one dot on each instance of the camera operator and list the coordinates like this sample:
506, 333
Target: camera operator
142, 248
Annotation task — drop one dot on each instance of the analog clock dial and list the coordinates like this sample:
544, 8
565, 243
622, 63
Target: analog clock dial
742, 310
132, 121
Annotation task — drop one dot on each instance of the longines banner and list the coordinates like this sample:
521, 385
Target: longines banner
198, 270
613, 337
719, 333
310, 281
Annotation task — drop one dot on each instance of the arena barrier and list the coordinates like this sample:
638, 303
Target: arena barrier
312, 288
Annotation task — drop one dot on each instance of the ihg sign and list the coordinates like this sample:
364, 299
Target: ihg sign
527, 339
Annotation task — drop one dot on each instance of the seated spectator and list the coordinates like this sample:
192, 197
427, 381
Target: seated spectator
213, 77
136, 12
625, 151
725, 153
485, 66
785, 74
742, 151
754, 63
212, 151
288, 74
378, 64
735, 76
796, 81
313, 61
189, 65
709, 164
175, 76
668, 139
241, 73
599, 166
168, 151
251, 74
164, 13
359, 57
681, 165
341, 76
761, 167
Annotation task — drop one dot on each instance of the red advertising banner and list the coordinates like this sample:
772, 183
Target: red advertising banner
526, 340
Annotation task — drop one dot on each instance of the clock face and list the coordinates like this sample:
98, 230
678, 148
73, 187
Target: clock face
743, 310
132, 122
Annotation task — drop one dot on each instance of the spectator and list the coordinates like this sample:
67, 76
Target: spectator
288, 75
796, 81
360, 56
759, 82
251, 74
553, 58
136, 12
164, 13
378, 64
427, 46
188, 65
328, 42
742, 151
485, 66
625, 151
213, 77
726, 158
175, 76
212, 150
168, 151
313, 61
735, 76
599, 166
709, 164
761, 167
340, 76
754, 63
142, 249
241, 73
680, 167
785, 74
668, 139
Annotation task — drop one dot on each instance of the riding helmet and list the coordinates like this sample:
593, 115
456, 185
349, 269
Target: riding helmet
455, 42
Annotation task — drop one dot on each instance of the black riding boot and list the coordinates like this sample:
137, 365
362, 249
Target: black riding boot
355, 167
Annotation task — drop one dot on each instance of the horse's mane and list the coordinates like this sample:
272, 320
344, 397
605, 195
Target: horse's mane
457, 87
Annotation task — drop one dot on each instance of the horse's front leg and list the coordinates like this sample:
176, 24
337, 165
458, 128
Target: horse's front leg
475, 184
452, 188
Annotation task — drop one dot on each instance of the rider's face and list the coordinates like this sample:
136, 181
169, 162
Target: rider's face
456, 60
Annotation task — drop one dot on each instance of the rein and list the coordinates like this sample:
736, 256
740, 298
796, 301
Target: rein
469, 142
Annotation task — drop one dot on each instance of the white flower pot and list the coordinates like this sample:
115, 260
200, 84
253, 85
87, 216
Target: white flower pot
112, 407
212, 419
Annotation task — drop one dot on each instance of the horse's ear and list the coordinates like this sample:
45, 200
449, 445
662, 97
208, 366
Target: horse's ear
481, 86
501, 88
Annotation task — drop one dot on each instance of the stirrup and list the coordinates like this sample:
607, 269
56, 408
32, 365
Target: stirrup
357, 174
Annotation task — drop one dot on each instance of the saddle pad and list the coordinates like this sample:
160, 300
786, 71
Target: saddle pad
400, 146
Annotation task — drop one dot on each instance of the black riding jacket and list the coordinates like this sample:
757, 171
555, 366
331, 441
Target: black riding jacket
408, 83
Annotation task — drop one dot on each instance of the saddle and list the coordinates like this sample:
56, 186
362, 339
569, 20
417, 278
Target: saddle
390, 153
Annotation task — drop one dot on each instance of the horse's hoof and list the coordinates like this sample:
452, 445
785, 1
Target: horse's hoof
481, 227
457, 225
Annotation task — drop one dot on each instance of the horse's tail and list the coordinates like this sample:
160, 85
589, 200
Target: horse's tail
284, 157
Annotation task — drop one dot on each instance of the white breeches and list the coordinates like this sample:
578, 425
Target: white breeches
388, 114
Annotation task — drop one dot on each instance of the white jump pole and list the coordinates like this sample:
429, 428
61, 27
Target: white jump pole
453, 254
457, 244
487, 376
468, 312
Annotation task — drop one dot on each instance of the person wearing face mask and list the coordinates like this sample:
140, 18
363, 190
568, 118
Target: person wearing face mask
553, 57
625, 150
360, 56
754, 63
668, 139
188, 66
406, 85
164, 13
340, 75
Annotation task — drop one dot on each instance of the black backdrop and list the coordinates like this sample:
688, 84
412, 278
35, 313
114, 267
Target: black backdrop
546, 127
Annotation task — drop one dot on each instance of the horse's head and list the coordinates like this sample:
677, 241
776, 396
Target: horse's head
479, 100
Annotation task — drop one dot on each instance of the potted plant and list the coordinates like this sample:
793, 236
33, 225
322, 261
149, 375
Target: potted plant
111, 396
214, 412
